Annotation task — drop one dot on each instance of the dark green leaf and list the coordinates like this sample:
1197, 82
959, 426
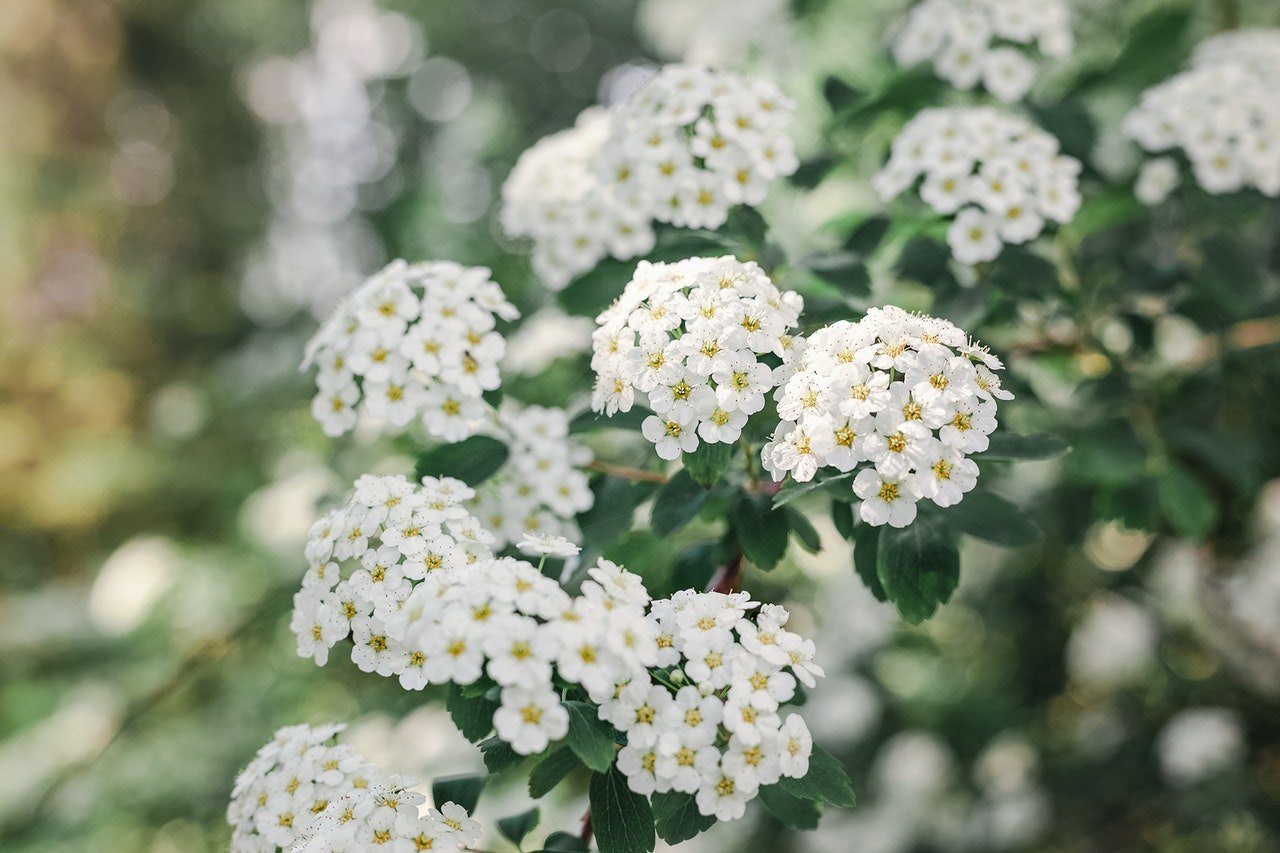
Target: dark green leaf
1155, 47
1187, 503
516, 827
866, 544
498, 755
907, 91
747, 224
803, 530
678, 501
844, 270
843, 519
622, 819
550, 771
473, 715
761, 530
923, 260
1023, 272
866, 237
677, 818
795, 490
1110, 454
694, 566
839, 94
811, 172
991, 518
1011, 447
1105, 210
793, 811
591, 738
707, 464
614, 510
588, 420
473, 461
463, 790
593, 291
563, 842
826, 781
918, 566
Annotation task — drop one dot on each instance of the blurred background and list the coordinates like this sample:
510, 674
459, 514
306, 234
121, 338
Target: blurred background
185, 188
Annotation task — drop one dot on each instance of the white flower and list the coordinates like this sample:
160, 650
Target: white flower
413, 341
1199, 742
547, 545
959, 37
996, 173
796, 747
530, 719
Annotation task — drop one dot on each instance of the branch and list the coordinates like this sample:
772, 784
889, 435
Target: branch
637, 474
586, 828
728, 577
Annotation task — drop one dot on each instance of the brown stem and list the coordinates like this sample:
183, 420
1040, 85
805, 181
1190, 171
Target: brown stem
729, 576
585, 835
638, 474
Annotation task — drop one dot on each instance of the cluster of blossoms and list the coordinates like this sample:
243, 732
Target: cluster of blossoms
413, 341
302, 793
541, 487
696, 338
1222, 112
1001, 176
904, 392
683, 150
710, 723
987, 41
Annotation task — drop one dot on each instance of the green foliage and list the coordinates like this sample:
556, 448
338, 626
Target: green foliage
1187, 503
498, 755
516, 827
989, 517
709, 462
694, 566
587, 421
622, 819
472, 461
473, 715
866, 549
563, 842
793, 490
918, 566
676, 817
614, 509
590, 738
761, 530
826, 781
677, 503
463, 789
804, 531
794, 811
551, 770
1010, 447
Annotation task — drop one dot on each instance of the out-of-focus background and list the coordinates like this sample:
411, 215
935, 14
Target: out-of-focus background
185, 187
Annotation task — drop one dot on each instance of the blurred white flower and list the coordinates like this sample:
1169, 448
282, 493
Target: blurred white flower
1198, 742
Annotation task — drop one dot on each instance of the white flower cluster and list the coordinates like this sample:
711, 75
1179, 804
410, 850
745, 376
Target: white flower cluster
712, 726
904, 392
695, 337
1000, 175
304, 794
1223, 113
683, 150
413, 341
719, 33
541, 487
987, 41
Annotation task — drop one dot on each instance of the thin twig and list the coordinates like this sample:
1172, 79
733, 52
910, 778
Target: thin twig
586, 828
729, 576
626, 473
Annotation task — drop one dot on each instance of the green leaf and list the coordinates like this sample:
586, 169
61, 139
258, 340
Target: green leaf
839, 94
1111, 454
991, 518
1011, 447
761, 530
591, 738
923, 260
749, 225
588, 420
473, 715
1105, 210
844, 270
795, 490
803, 530
866, 545
622, 819
593, 291
810, 173
678, 501
472, 461
550, 771
564, 842
1155, 47
694, 566
793, 811
707, 464
677, 818
463, 790
498, 755
613, 512
843, 518
907, 91
826, 781
1187, 503
866, 237
516, 827
918, 566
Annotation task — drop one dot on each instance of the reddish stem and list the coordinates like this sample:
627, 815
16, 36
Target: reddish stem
729, 576
586, 828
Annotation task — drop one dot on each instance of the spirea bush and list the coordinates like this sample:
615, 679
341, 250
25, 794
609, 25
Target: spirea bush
571, 574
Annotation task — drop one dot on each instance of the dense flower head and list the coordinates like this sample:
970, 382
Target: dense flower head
992, 42
1223, 113
687, 147
1000, 176
415, 341
702, 341
541, 487
302, 793
711, 722
902, 397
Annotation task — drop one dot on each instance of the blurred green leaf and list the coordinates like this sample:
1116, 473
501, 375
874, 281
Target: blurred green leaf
793, 490
709, 462
590, 738
516, 827
791, 810
918, 566
498, 754
825, 782
839, 95
761, 530
564, 842
463, 789
804, 531
678, 501
1007, 446
694, 566
588, 420
1187, 503
993, 519
472, 461
866, 549
550, 771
